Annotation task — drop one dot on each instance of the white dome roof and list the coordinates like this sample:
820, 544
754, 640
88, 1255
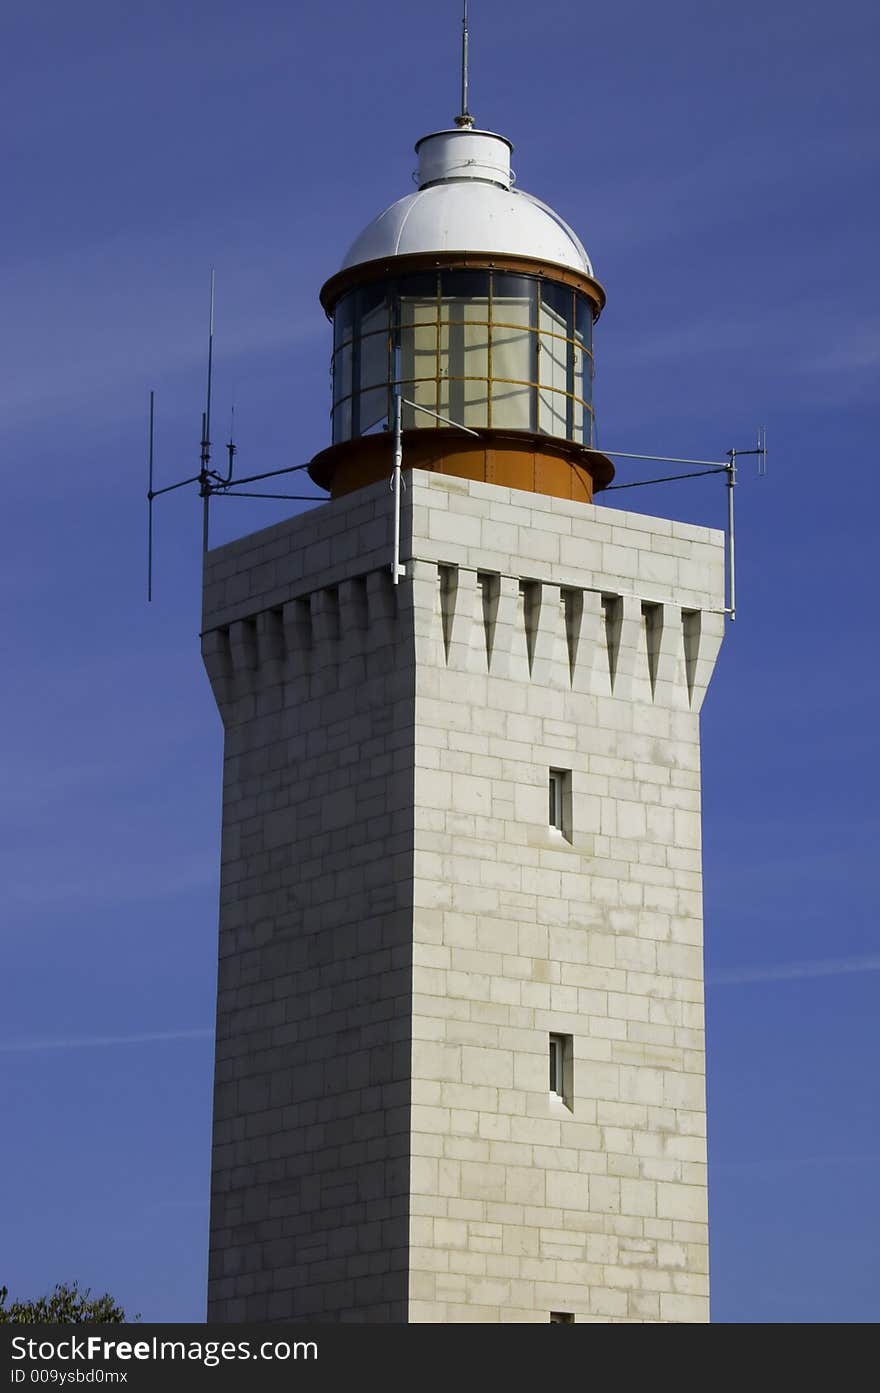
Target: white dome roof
465, 204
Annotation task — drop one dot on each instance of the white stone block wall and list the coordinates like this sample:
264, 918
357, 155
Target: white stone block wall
313, 674
558, 636
386, 803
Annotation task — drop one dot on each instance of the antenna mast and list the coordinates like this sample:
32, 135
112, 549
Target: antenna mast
708, 466
464, 119
205, 473
210, 483
150, 497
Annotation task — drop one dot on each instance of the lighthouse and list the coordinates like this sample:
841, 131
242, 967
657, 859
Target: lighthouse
460, 1056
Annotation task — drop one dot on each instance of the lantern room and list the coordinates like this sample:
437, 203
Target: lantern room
475, 303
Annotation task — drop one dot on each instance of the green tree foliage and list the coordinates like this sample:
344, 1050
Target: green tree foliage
67, 1305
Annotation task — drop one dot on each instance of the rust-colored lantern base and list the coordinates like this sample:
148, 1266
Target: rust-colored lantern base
514, 459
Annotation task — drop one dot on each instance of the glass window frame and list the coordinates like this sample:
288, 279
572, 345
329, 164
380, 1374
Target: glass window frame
440, 287
560, 1058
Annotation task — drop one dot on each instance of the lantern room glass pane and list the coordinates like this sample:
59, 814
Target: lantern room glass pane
553, 353
512, 406
416, 311
514, 351
342, 421
475, 405
374, 360
372, 306
372, 408
510, 290
418, 358
552, 412
422, 285
423, 394
342, 373
343, 320
466, 293
464, 362
583, 325
454, 310
483, 348
513, 354
577, 405
556, 301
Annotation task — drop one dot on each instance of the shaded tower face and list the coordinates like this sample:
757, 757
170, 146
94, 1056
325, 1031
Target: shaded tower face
476, 303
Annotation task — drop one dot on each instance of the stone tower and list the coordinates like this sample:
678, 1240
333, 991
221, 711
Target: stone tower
460, 1069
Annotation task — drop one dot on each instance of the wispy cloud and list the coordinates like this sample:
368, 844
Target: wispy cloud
780, 1164
846, 361
108, 320
85, 878
90, 1042
797, 971
704, 190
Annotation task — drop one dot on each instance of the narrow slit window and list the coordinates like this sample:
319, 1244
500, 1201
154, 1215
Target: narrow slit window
561, 1318
559, 800
561, 1071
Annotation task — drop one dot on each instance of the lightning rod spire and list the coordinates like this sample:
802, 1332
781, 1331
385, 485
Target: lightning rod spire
464, 119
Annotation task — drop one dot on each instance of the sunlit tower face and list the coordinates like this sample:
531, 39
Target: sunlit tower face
476, 303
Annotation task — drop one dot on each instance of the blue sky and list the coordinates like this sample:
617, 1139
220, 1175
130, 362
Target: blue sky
720, 163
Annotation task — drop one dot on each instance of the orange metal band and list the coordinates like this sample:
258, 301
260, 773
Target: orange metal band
513, 459
387, 268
